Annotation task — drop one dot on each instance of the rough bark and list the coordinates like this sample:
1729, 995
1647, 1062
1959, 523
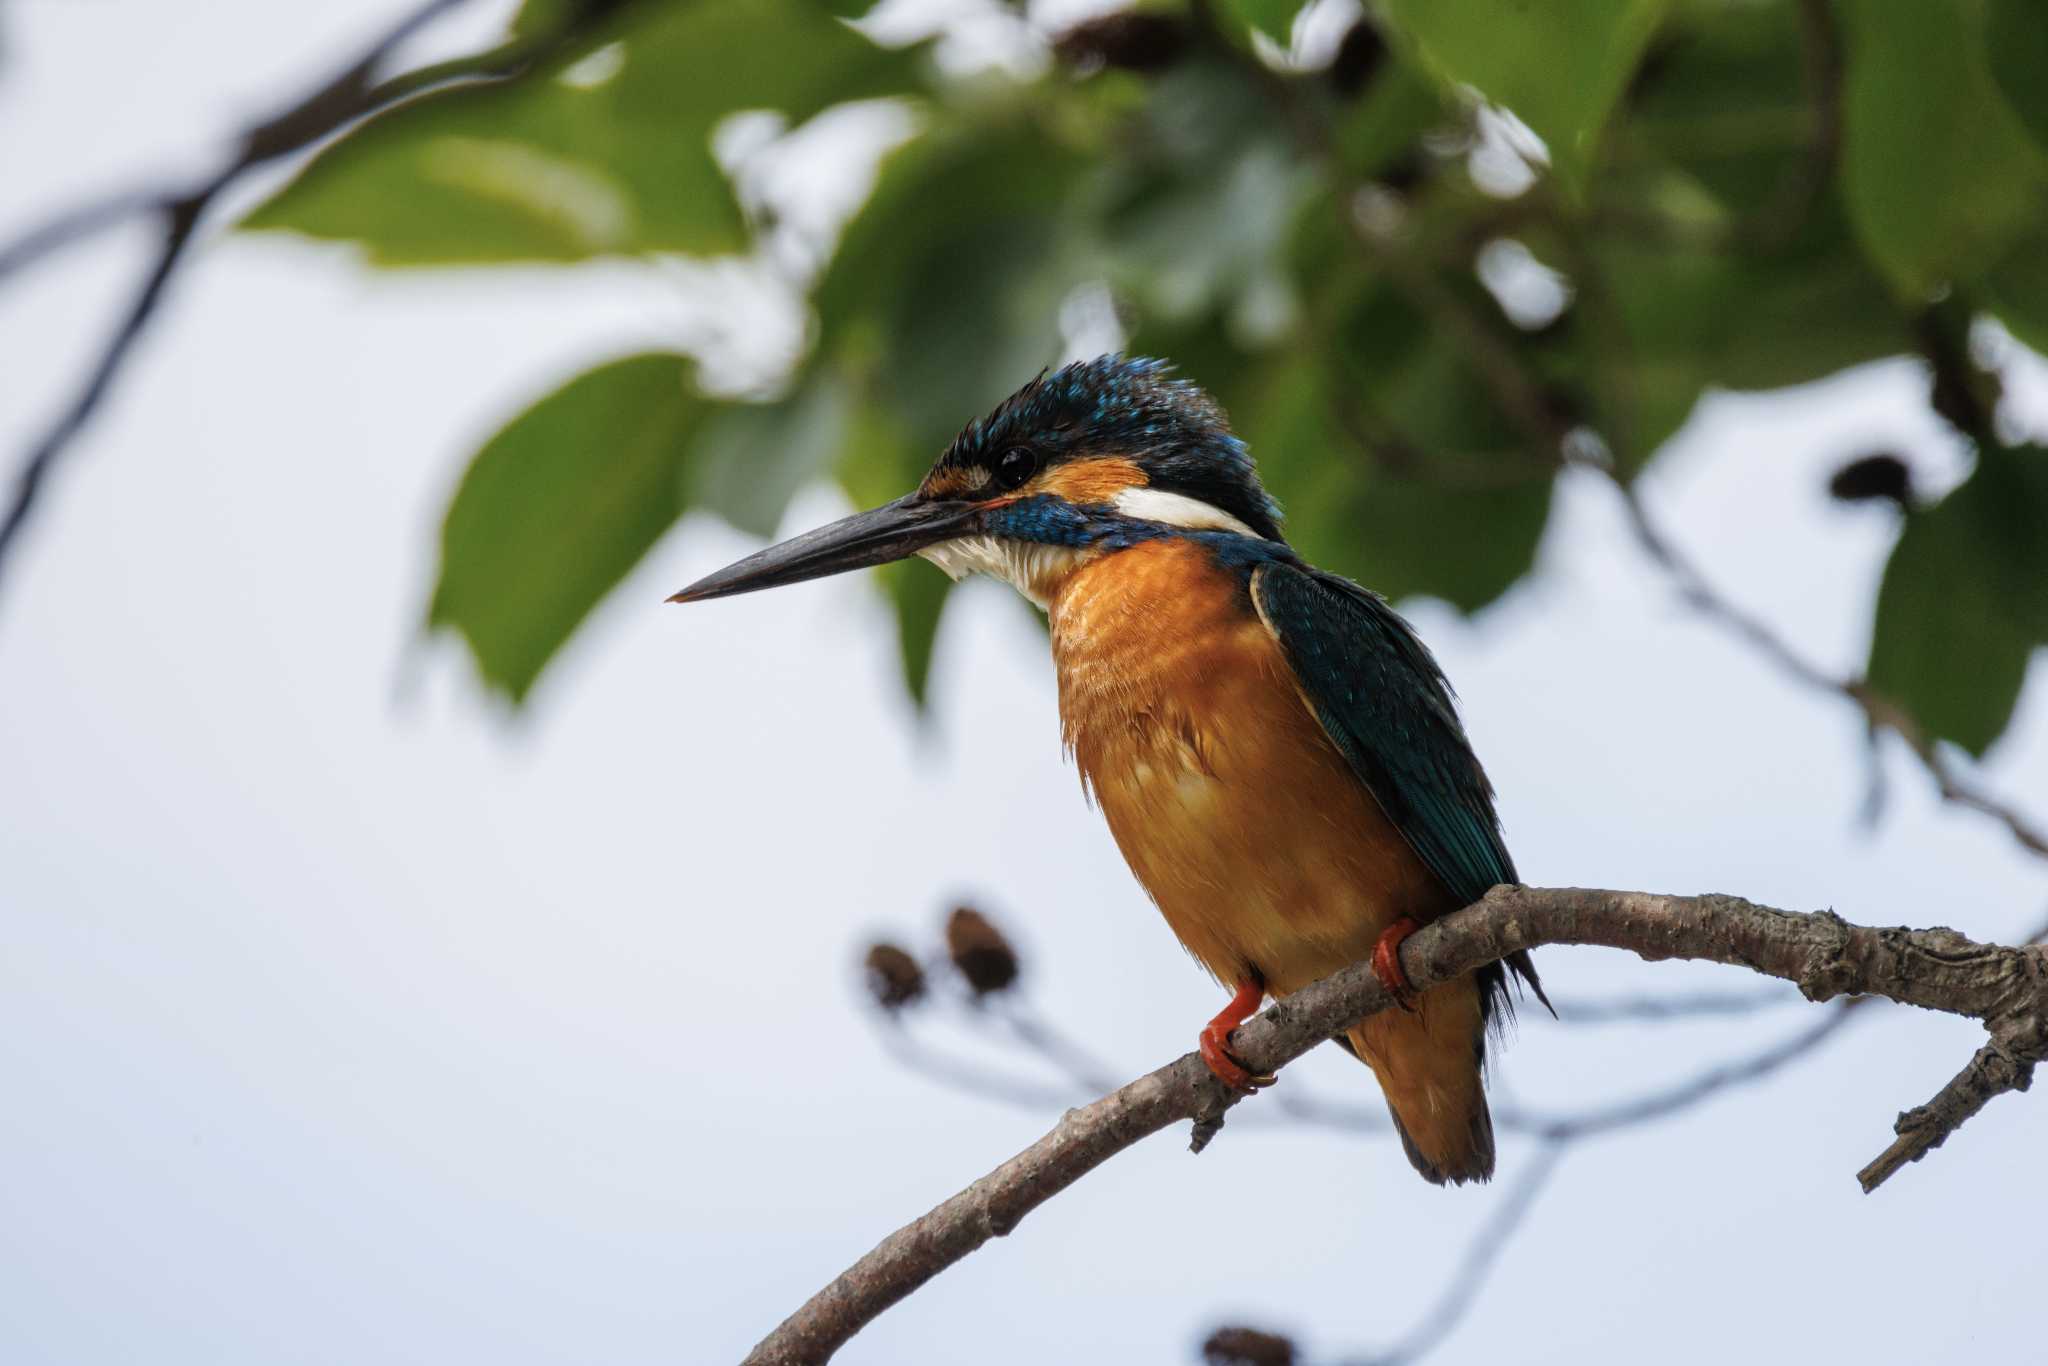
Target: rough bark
1819, 952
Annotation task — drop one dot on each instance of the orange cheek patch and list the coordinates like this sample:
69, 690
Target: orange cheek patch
1085, 483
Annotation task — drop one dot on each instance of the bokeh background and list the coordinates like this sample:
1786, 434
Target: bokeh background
349, 1013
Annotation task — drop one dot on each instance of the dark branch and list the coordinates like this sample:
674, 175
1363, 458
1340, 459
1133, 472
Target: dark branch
1820, 953
181, 216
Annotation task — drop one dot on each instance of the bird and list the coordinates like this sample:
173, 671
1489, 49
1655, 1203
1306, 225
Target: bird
1277, 753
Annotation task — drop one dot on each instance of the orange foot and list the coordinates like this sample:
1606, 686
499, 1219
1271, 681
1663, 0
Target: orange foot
1215, 1038
1386, 963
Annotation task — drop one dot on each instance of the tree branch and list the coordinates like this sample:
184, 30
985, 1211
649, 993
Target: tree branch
1820, 953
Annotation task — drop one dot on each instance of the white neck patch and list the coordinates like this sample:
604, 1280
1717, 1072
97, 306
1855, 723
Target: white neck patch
1177, 509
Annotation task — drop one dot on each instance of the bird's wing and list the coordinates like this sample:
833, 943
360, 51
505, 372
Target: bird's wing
1382, 699
1386, 705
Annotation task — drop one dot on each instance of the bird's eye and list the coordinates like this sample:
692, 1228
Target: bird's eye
1014, 466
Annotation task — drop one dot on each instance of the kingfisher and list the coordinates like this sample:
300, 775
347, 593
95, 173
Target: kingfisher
1277, 753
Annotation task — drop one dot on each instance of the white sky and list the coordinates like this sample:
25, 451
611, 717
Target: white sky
343, 1020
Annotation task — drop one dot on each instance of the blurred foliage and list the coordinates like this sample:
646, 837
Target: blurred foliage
1965, 600
1408, 304
559, 505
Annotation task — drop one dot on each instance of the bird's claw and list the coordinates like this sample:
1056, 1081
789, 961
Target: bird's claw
1386, 963
1214, 1043
1215, 1051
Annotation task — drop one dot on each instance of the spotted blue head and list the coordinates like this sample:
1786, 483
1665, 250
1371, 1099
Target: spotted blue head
1081, 461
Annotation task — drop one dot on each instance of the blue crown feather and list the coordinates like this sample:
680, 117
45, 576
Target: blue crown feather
1130, 406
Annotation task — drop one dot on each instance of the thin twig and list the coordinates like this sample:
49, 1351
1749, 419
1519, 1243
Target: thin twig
1668, 1101
1881, 712
181, 216
1677, 1006
1825, 956
1966, 396
1044, 1038
77, 224
1800, 189
911, 1053
1480, 1255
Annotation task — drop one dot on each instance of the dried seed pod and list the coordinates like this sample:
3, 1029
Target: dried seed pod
894, 978
1236, 1345
979, 950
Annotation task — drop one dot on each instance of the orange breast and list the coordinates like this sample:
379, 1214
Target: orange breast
1234, 810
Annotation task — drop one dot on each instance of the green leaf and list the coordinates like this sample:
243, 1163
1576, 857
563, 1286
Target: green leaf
1964, 602
1274, 18
1725, 99
876, 464
2016, 37
1677, 319
1388, 120
697, 63
1938, 175
540, 17
1189, 245
753, 457
491, 176
750, 458
1414, 538
1746, 273
1419, 532
563, 168
1398, 467
1560, 66
918, 592
2016, 290
1195, 213
944, 293
1402, 533
557, 507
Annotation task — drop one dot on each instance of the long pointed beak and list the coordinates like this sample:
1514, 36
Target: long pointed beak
890, 532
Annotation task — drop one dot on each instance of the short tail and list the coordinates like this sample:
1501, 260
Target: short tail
1429, 1065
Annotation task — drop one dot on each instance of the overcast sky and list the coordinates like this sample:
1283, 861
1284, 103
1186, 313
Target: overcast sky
345, 1019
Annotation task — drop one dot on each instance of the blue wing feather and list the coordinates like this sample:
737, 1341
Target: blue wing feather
1385, 703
